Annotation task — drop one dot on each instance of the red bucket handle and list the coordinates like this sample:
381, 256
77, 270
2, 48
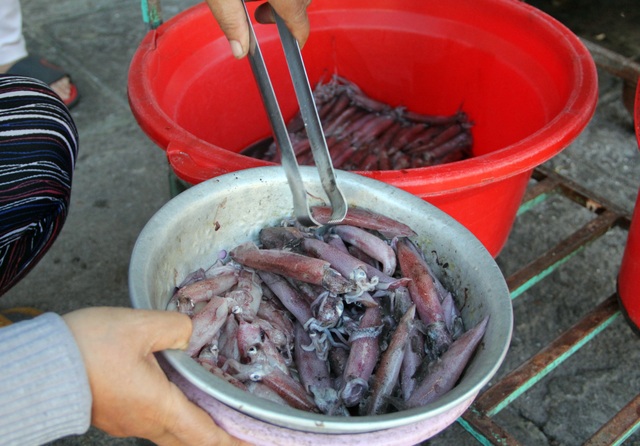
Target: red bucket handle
192, 163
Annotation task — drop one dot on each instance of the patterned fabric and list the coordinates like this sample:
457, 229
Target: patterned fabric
38, 149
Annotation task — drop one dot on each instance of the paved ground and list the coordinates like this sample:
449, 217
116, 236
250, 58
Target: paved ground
121, 180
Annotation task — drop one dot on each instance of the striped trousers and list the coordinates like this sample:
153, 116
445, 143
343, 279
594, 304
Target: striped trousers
38, 149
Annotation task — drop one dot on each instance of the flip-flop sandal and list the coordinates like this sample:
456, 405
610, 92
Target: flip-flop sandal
17, 314
43, 70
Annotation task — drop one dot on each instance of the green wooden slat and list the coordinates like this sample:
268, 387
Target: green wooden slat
552, 365
477, 435
630, 432
528, 205
544, 273
619, 428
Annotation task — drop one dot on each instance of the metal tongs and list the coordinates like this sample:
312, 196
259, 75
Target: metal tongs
311, 121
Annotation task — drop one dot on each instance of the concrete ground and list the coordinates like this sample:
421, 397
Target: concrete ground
122, 179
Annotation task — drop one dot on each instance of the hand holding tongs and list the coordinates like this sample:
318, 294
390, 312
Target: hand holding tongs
311, 122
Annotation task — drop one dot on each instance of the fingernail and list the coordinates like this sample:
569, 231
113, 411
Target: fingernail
236, 49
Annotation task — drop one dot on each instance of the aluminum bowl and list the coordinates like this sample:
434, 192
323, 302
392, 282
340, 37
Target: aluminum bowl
191, 230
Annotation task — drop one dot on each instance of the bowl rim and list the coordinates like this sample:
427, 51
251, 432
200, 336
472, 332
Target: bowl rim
277, 414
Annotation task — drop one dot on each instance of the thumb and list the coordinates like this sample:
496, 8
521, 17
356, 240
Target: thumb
167, 329
232, 19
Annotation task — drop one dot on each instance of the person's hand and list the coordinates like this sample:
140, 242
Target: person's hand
131, 394
232, 20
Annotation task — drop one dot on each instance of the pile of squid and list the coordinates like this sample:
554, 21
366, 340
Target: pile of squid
344, 319
365, 134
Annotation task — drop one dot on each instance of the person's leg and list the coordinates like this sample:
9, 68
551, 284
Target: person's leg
38, 149
13, 50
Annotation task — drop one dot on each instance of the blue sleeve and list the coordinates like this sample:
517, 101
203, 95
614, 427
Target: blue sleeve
44, 389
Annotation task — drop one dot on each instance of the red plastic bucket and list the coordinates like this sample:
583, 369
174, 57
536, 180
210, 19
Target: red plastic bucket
526, 81
629, 275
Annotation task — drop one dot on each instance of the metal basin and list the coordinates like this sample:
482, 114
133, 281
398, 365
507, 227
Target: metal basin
192, 229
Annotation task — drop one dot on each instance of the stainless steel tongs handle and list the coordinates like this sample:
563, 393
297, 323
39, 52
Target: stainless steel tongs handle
311, 121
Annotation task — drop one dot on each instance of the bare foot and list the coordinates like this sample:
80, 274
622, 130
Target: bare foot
61, 87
